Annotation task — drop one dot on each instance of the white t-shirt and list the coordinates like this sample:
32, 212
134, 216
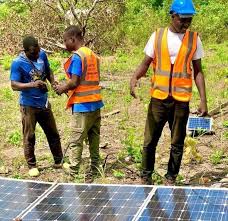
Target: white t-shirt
174, 44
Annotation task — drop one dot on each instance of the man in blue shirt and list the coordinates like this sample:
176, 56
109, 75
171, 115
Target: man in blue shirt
28, 74
83, 74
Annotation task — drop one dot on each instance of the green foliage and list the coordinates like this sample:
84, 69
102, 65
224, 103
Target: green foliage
15, 138
225, 123
157, 178
118, 174
6, 61
6, 94
17, 176
212, 21
4, 11
101, 170
132, 144
226, 135
191, 153
18, 6
216, 157
179, 179
55, 64
18, 162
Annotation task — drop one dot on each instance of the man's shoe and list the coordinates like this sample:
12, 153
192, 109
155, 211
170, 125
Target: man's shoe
146, 180
34, 172
70, 170
58, 166
169, 181
89, 178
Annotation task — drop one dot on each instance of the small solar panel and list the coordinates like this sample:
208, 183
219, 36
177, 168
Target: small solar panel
199, 123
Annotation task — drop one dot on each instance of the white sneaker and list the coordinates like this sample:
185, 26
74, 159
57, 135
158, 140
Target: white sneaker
34, 172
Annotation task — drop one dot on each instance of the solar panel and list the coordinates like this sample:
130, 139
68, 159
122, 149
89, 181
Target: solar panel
187, 204
39, 201
16, 196
90, 202
199, 123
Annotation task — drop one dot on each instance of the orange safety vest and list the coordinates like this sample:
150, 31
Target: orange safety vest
88, 90
173, 81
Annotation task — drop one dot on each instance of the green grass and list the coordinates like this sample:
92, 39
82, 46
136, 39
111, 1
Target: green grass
225, 123
215, 65
6, 61
15, 138
118, 174
6, 94
216, 157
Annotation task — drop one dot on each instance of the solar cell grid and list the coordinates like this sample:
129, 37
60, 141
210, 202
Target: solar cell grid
16, 196
88, 202
187, 204
69, 202
203, 123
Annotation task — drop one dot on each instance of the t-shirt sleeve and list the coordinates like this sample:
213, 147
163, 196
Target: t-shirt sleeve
199, 53
43, 56
75, 66
15, 74
149, 49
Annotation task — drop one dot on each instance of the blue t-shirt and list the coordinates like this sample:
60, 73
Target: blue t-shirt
76, 68
23, 71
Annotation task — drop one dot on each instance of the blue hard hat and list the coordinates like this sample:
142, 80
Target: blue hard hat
182, 7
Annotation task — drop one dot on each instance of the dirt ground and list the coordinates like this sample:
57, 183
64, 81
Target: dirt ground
112, 145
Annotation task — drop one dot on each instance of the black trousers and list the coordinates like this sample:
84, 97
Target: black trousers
159, 112
30, 116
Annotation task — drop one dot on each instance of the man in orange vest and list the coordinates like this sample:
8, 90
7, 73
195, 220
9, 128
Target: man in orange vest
170, 52
84, 98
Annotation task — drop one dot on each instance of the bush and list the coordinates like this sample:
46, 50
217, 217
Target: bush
212, 20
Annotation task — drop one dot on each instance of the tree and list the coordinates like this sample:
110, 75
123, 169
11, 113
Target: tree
47, 20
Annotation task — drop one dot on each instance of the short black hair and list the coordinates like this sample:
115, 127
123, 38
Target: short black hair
29, 41
74, 30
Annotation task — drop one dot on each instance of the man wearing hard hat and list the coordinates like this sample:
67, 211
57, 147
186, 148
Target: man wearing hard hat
171, 52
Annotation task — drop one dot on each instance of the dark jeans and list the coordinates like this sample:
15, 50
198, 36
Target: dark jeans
30, 116
159, 112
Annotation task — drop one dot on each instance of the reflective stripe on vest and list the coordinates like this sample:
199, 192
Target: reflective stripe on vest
178, 83
88, 89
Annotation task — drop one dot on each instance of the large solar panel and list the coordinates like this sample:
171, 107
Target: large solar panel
35, 201
90, 202
17, 196
199, 123
187, 204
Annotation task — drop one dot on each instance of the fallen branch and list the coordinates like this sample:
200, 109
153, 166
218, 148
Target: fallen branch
111, 113
218, 109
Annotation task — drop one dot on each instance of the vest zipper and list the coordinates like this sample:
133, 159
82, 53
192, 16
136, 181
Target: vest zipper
170, 80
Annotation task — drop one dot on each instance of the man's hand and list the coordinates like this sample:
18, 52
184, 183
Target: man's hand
39, 84
202, 110
141, 71
133, 84
55, 83
59, 88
